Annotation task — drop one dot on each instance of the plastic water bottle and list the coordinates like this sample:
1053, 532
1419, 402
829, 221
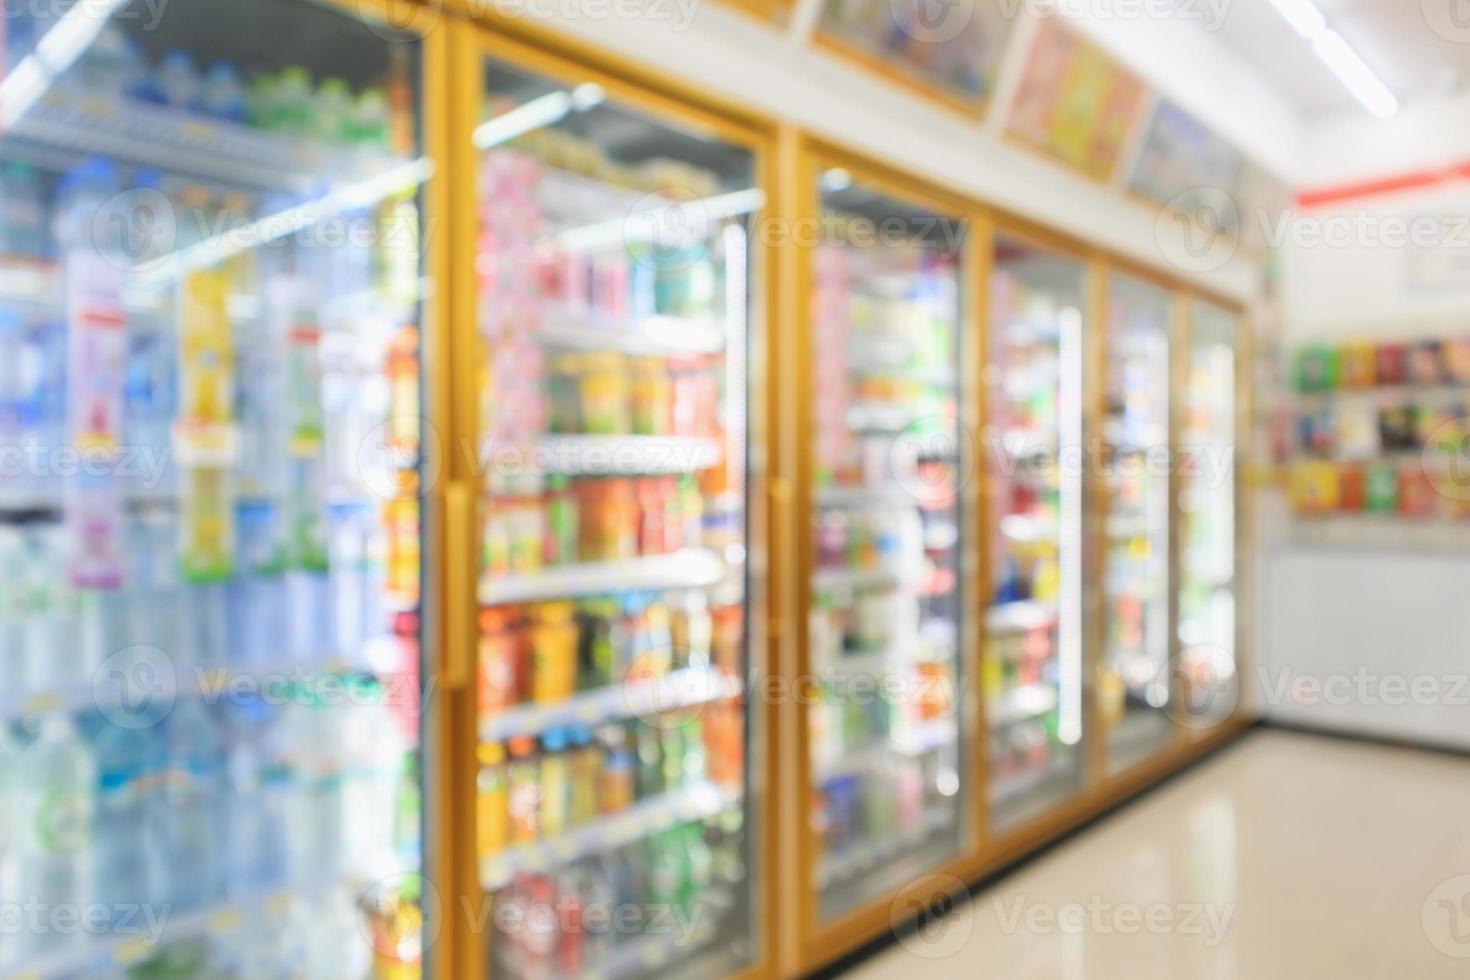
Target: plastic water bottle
177, 80
333, 111
13, 670
23, 230
255, 858
222, 94
257, 595
112, 63
191, 810
57, 781
125, 863
10, 890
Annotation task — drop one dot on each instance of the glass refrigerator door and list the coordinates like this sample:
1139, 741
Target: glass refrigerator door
884, 629
1032, 665
209, 376
613, 283
1133, 683
1207, 505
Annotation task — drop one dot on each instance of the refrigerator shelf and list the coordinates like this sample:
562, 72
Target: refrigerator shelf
856, 860
922, 738
838, 496
1021, 616
692, 568
74, 126
865, 417
648, 817
824, 579
1021, 704
590, 455
680, 689
648, 336
568, 197
1007, 789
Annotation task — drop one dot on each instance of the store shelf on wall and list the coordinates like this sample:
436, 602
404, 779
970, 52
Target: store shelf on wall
68, 126
692, 568
650, 816
686, 688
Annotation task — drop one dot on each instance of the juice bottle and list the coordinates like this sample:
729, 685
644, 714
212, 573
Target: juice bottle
553, 653
562, 530
673, 749
595, 643
616, 789
621, 520
651, 535
650, 775
691, 512
500, 660
556, 780
605, 396
586, 765
523, 791
492, 808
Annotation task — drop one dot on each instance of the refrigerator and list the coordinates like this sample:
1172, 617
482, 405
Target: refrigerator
1206, 679
1133, 685
1036, 463
210, 514
887, 497
610, 349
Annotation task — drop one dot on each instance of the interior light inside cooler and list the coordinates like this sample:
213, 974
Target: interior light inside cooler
836, 179
682, 224
1070, 473
1302, 15
1355, 74
282, 224
68, 38
548, 110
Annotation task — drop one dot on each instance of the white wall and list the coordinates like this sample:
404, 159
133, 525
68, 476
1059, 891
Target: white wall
1357, 608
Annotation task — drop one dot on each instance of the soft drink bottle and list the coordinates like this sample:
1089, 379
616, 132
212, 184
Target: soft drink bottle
54, 816
222, 94
255, 859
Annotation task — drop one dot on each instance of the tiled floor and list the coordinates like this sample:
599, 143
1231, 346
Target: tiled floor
1285, 857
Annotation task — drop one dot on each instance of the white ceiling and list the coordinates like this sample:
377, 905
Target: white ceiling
1393, 36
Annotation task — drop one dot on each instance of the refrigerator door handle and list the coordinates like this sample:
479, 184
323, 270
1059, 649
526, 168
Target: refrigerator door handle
454, 667
783, 558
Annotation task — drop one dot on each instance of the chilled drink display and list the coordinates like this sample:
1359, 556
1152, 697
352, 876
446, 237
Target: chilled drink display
209, 378
1133, 686
612, 276
1032, 668
885, 632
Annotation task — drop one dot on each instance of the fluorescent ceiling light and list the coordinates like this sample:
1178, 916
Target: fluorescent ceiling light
836, 179
548, 110
1333, 51
1354, 73
1303, 16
